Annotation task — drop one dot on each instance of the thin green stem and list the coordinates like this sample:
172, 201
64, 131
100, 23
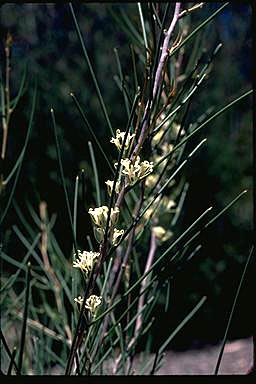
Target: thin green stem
9, 372
63, 179
25, 317
78, 31
233, 310
95, 171
20, 159
174, 333
197, 29
8, 350
78, 106
212, 117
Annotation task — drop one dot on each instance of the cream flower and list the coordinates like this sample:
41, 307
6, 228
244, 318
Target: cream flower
92, 303
79, 300
157, 158
146, 168
161, 119
99, 215
118, 140
137, 170
117, 235
151, 211
168, 203
176, 128
166, 148
86, 260
151, 180
157, 137
114, 215
110, 184
161, 234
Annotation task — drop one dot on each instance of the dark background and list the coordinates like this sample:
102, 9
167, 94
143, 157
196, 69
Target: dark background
44, 38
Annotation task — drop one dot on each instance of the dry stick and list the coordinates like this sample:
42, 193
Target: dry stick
40, 327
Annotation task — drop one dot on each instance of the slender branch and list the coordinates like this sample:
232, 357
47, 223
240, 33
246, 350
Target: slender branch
165, 48
252, 251
157, 81
7, 111
149, 262
122, 267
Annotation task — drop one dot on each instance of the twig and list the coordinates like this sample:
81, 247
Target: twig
121, 269
157, 81
149, 262
232, 310
7, 111
165, 48
187, 11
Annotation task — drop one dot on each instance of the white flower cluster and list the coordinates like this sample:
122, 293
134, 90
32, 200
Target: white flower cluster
92, 303
119, 139
86, 261
135, 170
99, 217
161, 233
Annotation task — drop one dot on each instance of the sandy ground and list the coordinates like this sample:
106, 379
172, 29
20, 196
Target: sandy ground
237, 359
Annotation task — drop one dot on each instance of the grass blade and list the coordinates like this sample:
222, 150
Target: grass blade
216, 217
197, 29
233, 310
143, 28
63, 178
9, 372
90, 130
25, 316
122, 86
174, 333
13, 278
21, 157
15, 101
78, 31
134, 68
212, 117
7, 349
95, 171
